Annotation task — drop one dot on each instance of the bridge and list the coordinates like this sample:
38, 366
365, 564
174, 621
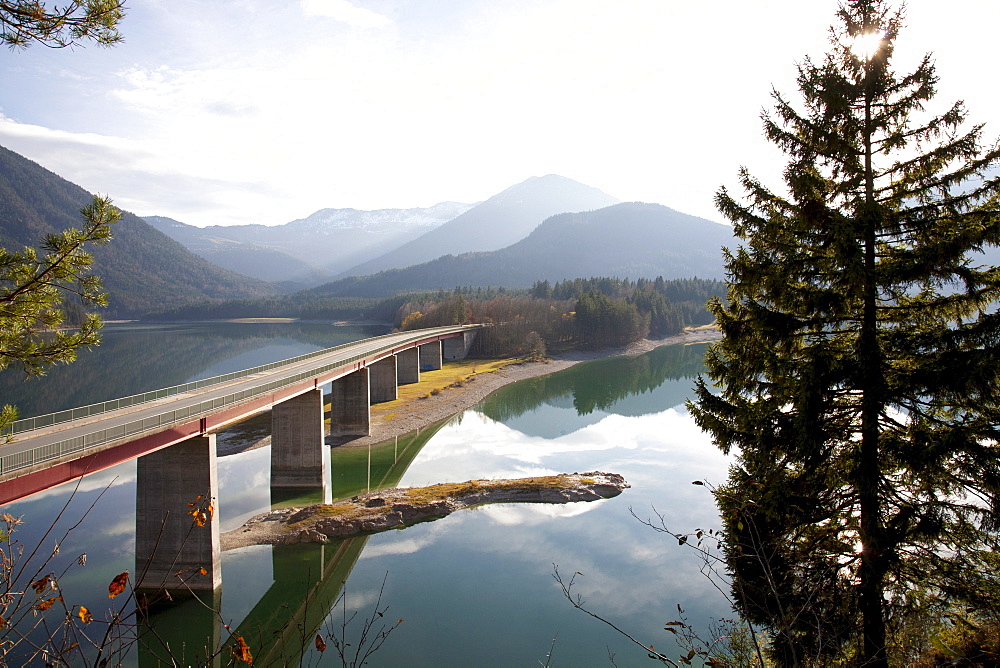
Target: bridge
307, 579
171, 431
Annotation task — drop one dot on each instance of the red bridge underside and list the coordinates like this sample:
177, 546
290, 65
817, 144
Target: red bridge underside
59, 474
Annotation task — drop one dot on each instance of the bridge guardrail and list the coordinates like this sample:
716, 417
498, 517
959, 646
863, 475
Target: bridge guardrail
49, 419
41, 454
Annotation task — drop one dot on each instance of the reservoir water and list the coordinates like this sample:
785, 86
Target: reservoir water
475, 588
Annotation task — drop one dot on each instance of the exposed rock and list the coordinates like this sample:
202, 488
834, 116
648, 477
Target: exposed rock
399, 507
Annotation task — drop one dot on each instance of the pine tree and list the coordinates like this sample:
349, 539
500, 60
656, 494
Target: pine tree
75, 23
857, 380
34, 292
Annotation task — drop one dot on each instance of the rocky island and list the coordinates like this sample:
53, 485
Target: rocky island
402, 506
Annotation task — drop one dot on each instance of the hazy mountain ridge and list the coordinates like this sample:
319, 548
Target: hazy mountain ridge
141, 268
308, 250
247, 258
501, 220
379, 220
630, 240
144, 269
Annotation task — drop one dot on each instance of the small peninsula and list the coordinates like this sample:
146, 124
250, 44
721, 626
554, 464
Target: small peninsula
402, 506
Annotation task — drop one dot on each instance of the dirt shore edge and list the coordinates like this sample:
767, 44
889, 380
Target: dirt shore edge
453, 400
409, 415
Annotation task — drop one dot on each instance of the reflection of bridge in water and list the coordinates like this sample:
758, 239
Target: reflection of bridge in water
171, 432
307, 580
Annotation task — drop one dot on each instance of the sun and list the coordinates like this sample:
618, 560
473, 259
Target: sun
866, 45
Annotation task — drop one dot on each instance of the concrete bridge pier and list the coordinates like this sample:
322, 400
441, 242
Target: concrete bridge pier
457, 347
408, 366
350, 412
298, 458
383, 380
171, 484
430, 356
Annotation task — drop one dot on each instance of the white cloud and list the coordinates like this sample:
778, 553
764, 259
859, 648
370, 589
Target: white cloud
646, 100
142, 177
345, 12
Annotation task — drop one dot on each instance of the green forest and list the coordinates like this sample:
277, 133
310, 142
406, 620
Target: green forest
582, 313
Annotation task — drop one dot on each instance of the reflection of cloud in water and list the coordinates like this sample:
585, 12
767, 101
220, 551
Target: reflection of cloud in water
244, 486
405, 541
627, 565
248, 551
357, 600
125, 548
124, 527
479, 447
510, 514
246, 577
116, 476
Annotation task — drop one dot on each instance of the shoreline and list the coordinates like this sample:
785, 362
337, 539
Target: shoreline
407, 416
401, 416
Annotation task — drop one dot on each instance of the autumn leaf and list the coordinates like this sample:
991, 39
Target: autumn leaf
320, 645
84, 615
199, 516
117, 585
241, 652
202, 571
41, 585
47, 603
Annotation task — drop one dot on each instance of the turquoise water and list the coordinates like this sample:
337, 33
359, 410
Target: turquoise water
477, 587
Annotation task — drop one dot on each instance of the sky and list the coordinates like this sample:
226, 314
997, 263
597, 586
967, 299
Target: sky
253, 111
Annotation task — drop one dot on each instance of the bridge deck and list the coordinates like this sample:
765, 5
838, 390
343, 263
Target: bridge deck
94, 433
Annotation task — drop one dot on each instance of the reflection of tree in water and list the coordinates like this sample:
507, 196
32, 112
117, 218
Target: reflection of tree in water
597, 385
140, 358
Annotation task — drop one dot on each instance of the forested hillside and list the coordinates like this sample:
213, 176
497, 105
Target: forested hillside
583, 313
142, 269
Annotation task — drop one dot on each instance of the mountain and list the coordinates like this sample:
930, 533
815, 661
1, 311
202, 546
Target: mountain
228, 252
496, 223
630, 240
141, 268
308, 250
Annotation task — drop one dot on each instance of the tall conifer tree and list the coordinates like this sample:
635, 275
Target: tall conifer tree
857, 379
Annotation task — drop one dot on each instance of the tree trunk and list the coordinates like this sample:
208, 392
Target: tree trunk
869, 465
